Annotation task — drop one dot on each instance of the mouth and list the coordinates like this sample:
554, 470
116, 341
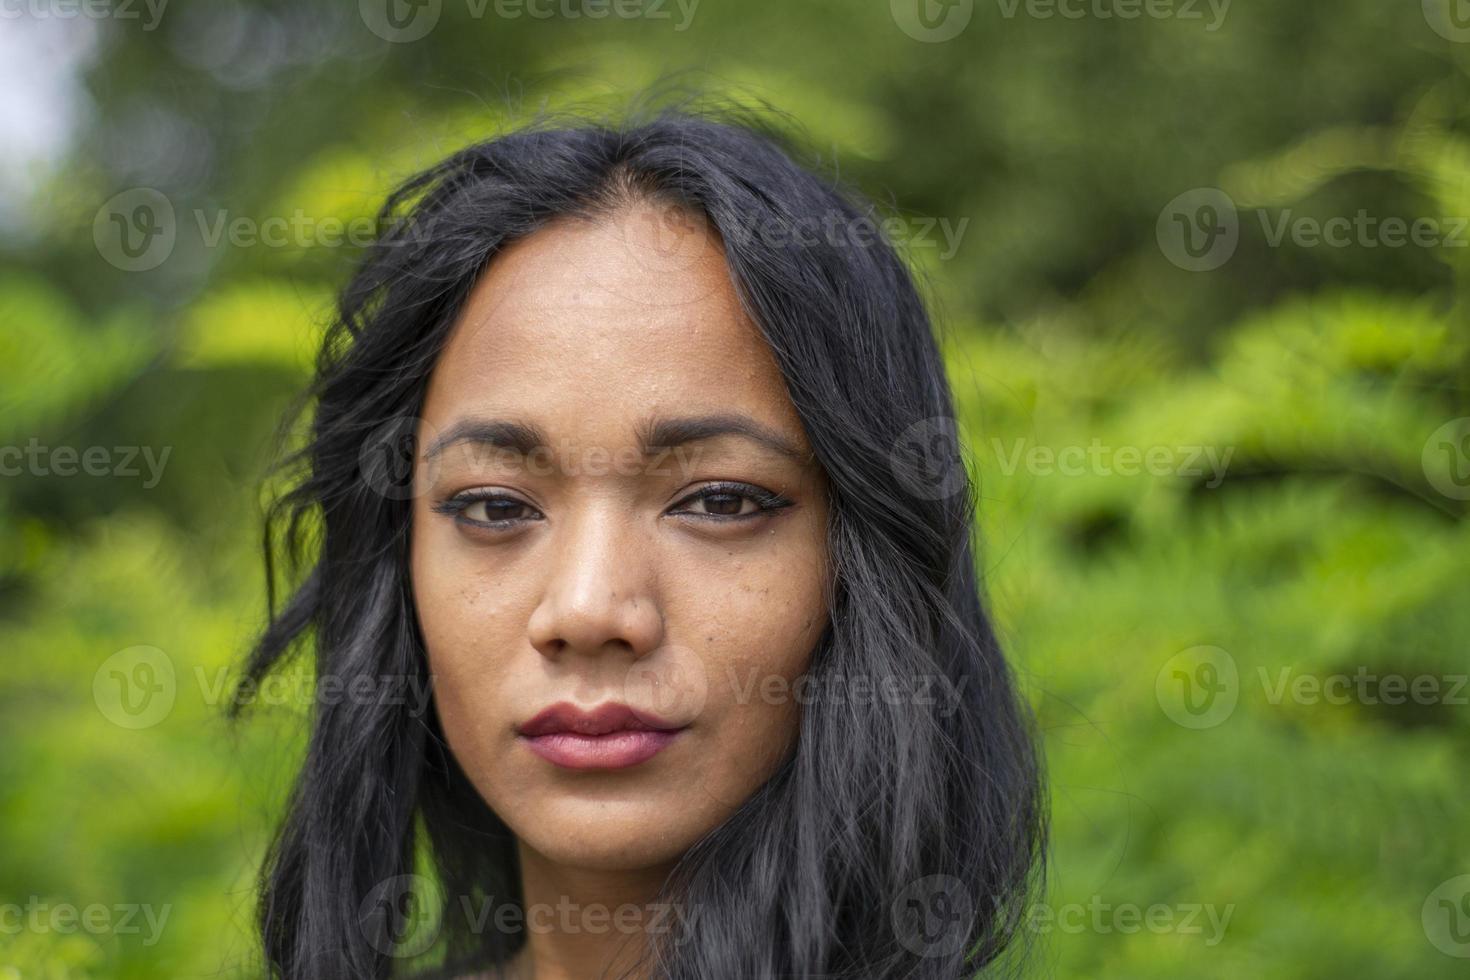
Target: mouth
610, 736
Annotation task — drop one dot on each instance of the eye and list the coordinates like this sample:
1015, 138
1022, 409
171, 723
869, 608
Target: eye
487, 508
730, 502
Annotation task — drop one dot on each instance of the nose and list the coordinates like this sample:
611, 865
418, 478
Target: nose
599, 594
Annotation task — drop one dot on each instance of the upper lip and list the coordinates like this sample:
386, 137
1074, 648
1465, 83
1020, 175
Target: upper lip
610, 717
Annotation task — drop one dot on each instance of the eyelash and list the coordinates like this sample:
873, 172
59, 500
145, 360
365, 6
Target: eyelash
766, 503
456, 506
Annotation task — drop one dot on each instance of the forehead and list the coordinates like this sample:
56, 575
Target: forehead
607, 318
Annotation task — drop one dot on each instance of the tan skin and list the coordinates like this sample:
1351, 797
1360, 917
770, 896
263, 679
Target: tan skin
592, 572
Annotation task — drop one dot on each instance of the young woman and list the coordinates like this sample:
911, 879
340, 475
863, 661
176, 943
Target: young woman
633, 445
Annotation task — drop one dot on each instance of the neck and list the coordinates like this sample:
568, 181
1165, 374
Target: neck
582, 923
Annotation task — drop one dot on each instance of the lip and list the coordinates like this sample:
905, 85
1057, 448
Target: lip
609, 736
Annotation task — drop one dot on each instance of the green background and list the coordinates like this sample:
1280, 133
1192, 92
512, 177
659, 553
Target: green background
1328, 375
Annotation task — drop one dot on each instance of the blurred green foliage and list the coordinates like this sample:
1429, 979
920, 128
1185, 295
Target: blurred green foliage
1326, 535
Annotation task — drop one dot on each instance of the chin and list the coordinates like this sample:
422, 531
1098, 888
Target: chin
638, 843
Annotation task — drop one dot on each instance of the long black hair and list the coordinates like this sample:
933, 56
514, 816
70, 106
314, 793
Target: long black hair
904, 836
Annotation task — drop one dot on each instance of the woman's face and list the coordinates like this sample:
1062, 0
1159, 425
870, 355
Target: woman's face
615, 504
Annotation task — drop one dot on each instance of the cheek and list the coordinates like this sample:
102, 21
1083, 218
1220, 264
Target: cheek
460, 605
472, 619
755, 623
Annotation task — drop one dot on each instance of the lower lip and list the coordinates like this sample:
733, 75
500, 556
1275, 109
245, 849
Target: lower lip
614, 750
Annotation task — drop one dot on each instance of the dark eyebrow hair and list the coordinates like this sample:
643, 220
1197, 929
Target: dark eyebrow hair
658, 434
654, 435
518, 437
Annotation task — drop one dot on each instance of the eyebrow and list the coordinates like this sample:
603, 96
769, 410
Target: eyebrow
654, 435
